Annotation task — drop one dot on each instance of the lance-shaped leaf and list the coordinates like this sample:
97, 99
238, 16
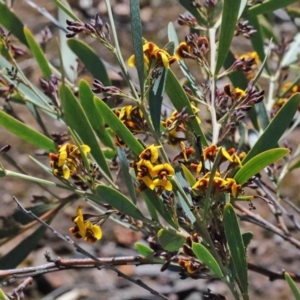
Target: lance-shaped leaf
68, 58
156, 98
86, 97
258, 163
180, 101
75, 117
292, 285
25, 132
90, 59
106, 194
12, 23
38, 54
160, 206
137, 38
269, 6
236, 247
170, 240
144, 250
19, 253
257, 40
270, 137
118, 127
124, 165
205, 257
229, 20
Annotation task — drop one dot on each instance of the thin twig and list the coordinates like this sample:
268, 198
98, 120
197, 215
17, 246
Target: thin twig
20, 288
99, 264
272, 275
256, 219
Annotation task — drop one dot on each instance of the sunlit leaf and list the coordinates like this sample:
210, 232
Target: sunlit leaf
206, 257
258, 163
270, 137
69, 59
12, 23
118, 127
144, 250
170, 240
26, 133
90, 59
106, 194
180, 101
38, 54
75, 117
292, 285
86, 97
229, 20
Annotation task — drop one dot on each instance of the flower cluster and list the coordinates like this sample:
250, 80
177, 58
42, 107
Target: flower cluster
68, 161
194, 47
132, 118
153, 57
85, 229
247, 63
176, 127
151, 173
221, 180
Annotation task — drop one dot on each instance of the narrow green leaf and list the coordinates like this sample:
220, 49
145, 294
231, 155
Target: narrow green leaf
205, 257
118, 201
292, 285
185, 70
295, 166
257, 40
194, 11
292, 54
69, 59
118, 127
75, 117
19, 253
90, 59
26, 133
12, 23
247, 237
170, 240
125, 173
86, 97
229, 20
160, 207
151, 208
144, 250
270, 137
66, 9
38, 54
269, 6
3, 296
137, 38
258, 163
236, 247
156, 98
190, 178
180, 101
